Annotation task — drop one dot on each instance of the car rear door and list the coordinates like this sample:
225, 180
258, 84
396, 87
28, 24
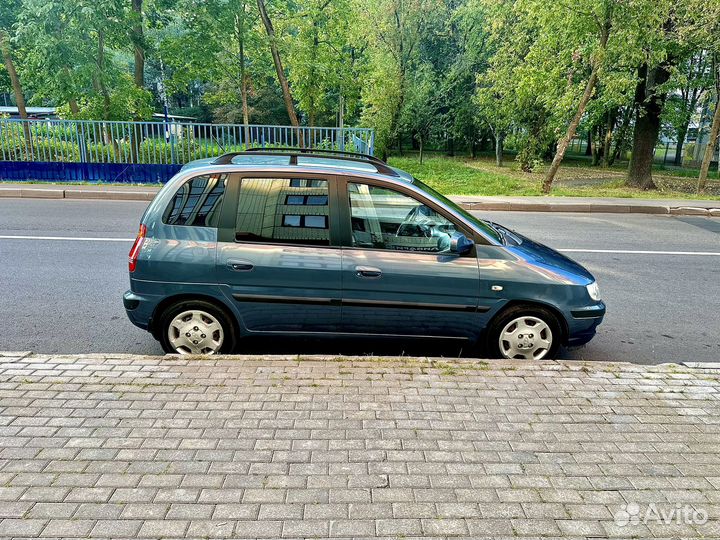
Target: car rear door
279, 257
399, 276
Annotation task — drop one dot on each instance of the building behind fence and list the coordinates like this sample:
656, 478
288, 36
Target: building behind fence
112, 151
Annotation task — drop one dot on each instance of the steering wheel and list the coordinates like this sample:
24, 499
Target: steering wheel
417, 223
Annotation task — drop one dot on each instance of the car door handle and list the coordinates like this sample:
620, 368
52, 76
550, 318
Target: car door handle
368, 271
240, 266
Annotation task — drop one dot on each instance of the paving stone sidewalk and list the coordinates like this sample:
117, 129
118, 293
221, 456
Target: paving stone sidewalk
248, 447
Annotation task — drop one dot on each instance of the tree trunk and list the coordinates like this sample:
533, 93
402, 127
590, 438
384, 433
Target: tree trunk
565, 141
649, 105
12, 73
710, 148
420, 142
588, 148
587, 94
341, 110
282, 79
499, 140
74, 109
17, 89
700, 129
609, 127
597, 149
72, 102
451, 146
138, 43
681, 134
621, 137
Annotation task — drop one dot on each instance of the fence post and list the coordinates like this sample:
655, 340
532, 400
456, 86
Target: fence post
171, 137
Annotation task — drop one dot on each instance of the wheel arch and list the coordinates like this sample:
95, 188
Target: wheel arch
189, 297
564, 328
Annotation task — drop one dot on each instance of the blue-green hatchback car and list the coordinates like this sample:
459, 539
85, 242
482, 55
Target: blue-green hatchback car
326, 244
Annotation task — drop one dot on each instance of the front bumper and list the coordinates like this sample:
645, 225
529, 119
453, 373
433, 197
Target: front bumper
583, 323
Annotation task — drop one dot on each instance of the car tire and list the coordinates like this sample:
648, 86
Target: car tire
210, 329
525, 331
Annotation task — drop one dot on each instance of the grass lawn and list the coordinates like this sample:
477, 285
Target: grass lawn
480, 176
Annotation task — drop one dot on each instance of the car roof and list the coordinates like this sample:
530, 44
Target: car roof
302, 163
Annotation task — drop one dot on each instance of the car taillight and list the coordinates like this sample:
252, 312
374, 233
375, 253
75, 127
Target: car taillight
133, 255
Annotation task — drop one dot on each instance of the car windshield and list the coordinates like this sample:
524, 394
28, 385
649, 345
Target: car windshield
486, 227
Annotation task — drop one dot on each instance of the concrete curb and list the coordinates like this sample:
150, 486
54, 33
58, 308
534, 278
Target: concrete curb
607, 208
58, 192
430, 361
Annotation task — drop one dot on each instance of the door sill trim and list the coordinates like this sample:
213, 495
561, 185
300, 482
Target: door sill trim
353, 335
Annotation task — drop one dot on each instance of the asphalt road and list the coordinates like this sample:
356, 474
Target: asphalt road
61, 296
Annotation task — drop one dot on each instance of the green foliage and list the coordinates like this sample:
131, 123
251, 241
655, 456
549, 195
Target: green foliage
463, 176
455, 177
126, 102
448, 74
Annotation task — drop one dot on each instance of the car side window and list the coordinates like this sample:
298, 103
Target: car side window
386, 219
197, 202
284, 211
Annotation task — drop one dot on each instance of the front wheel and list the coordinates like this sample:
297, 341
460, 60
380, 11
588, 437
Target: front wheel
196, 327
525, 333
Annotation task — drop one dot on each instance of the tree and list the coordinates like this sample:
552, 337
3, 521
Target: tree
137, 38
700, 27
603, 22
420, 110
217, 49
714, 130
649, 101
321, 57
8, 17
277, 61
240, 35
661, 56
460, 51
393, 31
693, 78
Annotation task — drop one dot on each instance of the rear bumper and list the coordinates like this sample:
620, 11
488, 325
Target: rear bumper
139, 308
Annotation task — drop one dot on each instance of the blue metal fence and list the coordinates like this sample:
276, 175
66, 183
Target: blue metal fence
113, 151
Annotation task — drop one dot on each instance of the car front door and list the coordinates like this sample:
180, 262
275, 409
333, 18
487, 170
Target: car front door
278, 261
399, 275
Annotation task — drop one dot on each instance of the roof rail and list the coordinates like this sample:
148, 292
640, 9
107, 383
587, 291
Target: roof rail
294, 153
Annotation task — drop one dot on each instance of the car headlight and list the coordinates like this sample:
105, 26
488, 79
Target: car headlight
594, 291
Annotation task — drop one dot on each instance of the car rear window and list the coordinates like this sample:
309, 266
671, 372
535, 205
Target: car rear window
197, 203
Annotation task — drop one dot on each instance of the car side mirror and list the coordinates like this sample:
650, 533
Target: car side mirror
460, 244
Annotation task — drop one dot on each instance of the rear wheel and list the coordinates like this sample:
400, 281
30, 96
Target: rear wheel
196, 327
525, 333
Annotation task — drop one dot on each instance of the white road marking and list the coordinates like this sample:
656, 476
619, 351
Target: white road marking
564, 250
640, 252
71, 238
